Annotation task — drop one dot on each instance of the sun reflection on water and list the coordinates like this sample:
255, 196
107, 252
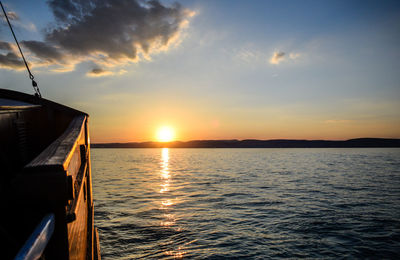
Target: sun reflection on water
164, 164
166, 178
166, 203
170, 220
164, 187
177, 254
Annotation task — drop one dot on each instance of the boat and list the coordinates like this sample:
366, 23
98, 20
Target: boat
46, 184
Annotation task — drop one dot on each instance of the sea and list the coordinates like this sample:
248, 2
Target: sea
247, 203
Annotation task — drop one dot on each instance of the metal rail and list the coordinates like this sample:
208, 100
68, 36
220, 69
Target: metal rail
38, 240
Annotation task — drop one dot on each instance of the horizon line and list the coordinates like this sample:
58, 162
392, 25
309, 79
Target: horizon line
249, 139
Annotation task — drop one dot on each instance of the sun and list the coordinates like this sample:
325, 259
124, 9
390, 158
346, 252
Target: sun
165, 134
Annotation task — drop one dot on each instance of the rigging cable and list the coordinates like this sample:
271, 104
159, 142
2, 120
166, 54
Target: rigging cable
34, 84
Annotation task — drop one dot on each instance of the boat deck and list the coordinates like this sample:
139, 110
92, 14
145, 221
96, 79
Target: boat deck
45, 158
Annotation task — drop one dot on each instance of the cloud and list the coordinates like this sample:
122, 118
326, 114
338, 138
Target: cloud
28, 26
99, 72
277, 57
8, 57
108, 32
10, 15
11, 61
17, 22
5, 46
44, 51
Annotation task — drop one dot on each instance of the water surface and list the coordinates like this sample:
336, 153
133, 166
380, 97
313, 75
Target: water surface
247, 203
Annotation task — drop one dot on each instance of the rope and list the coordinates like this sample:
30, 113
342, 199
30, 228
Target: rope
31, 77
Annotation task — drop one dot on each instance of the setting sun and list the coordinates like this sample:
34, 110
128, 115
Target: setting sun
165, 134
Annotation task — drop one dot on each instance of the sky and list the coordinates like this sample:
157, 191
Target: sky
213, 69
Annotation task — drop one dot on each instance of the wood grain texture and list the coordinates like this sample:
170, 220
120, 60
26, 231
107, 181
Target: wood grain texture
96, 250
77, 230
74, 163
58, 154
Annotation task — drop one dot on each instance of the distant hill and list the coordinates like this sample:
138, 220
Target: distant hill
253, 143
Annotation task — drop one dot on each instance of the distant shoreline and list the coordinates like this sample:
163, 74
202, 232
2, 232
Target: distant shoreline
253, 143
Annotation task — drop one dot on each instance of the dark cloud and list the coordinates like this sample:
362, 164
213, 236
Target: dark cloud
43, 51
71, 10
279, 54
5, 46
99, 72
11, 61
8, 58
108, 32
117, 29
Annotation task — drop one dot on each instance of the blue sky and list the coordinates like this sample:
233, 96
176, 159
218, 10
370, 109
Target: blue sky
334, 75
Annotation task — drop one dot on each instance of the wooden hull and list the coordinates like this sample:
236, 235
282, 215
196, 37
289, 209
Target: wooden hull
45, 153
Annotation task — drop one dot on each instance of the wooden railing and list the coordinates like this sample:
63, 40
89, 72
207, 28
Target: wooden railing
61, 177
59, 154
57, 180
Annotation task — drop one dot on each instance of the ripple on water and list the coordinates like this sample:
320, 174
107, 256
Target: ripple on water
247, 203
